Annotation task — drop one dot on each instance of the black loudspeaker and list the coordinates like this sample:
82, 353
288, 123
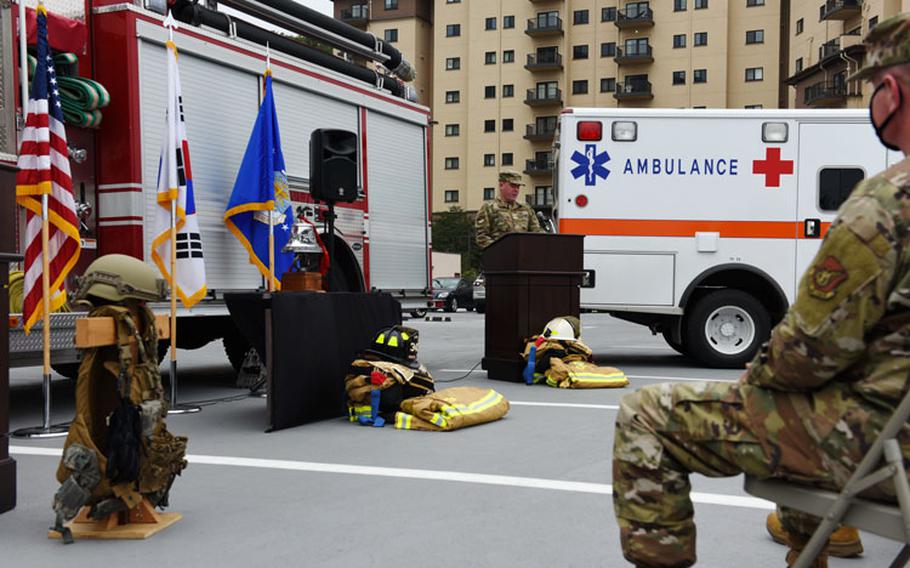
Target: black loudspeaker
333, 165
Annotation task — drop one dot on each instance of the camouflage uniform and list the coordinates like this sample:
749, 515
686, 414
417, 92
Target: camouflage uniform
498, 217
810, 406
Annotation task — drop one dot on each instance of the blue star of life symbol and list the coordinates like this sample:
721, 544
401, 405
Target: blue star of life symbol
590, 164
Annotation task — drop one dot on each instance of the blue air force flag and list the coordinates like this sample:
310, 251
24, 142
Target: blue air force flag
175, 183
262, 187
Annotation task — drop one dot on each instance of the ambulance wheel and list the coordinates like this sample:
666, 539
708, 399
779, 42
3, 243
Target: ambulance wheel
725, 328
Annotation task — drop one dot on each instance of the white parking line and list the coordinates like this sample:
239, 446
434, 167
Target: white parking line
646, 377
427, 474
565, 405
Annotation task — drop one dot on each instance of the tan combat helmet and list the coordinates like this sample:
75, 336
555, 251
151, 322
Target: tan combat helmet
887, 44
118, 277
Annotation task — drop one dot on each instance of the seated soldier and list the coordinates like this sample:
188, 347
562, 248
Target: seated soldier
817, 395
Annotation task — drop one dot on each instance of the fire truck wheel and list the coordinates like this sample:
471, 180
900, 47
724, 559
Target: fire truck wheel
726, 328
235, 347
68, 370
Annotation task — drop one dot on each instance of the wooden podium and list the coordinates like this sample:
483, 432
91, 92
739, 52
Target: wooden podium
531, 278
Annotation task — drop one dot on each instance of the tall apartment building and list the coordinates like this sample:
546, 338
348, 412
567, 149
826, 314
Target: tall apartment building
408, 24
826, 47
504, 70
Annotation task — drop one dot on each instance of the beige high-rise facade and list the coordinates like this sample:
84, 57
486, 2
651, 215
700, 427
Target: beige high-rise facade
825, 47
504, 70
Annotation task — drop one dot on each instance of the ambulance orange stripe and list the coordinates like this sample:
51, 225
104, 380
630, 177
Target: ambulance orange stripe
677, 228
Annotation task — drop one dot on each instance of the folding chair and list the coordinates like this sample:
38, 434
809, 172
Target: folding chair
889, 521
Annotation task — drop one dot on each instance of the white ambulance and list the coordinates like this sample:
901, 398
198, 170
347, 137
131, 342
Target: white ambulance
700, 223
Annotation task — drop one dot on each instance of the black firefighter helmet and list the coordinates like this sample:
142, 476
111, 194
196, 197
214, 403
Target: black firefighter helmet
397, 344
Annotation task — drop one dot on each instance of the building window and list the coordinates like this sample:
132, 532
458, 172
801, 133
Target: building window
750, 3
579, 87
608, 14
508, 159
873, 21
835, 186
508, 22
508, 56
489, 92
508, 125
508, 91
490, 24
580, 52
390, 35
753, 106
453, 97
391, 4
755, 74
451, 196
453, 63
608, 49
608, 85
701, 4
679, 5
679, 77
543, 195
453, 129
489, 160
451, 163
488, 193
679, 40
799, 65
701, 38
755, 36
580, 17
700, 76
799, 26
453, 30
489, 58
489, 126
453, 1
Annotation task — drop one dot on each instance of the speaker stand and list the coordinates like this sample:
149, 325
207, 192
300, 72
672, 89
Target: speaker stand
329, 219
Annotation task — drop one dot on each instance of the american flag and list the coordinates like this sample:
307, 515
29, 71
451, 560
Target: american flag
44, 169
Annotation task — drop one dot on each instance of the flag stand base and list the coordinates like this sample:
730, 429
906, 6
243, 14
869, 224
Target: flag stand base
37, 432
184, 409
136, 524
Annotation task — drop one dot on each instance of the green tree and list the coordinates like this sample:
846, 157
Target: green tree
453, 231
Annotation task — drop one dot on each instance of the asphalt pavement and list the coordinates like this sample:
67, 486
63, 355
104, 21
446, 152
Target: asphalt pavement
530, 490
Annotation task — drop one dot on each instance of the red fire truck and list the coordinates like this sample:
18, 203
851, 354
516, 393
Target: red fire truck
381, 241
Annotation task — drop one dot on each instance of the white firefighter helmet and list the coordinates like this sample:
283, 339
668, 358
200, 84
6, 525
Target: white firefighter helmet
560, 329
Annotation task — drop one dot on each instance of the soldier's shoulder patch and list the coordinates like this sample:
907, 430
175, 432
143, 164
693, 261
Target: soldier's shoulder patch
825, 277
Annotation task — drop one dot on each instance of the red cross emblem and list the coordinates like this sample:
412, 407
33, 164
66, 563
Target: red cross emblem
772, 167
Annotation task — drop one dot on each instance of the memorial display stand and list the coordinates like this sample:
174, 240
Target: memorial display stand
142, 521
531, 278
8, 254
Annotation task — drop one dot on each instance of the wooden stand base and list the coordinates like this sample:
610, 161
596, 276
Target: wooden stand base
138, 523
299, 281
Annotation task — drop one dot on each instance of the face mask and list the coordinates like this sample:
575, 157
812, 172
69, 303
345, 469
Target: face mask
879, 129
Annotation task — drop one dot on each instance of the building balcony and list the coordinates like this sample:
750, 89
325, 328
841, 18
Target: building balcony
825, 94
633, 56
633, 91
544, 27
357, 15
829, 49
548, 98
540, 132
544, 1
539, 167
841, 9
544, 62
638, 18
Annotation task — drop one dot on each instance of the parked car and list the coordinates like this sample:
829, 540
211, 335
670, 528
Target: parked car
480, 294
452, 293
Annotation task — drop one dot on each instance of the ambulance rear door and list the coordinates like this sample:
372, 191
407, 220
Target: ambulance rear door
833, 158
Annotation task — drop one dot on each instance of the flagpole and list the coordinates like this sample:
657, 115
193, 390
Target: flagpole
175, 408
23, 59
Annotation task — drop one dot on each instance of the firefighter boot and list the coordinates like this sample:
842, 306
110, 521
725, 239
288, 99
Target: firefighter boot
843, 543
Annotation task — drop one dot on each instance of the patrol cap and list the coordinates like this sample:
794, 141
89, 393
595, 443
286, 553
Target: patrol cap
511, 176
886, 45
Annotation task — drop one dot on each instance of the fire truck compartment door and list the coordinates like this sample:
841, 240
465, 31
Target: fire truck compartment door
397, 198
639, 279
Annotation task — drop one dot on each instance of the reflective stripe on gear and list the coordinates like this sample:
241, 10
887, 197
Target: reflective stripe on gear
451, 409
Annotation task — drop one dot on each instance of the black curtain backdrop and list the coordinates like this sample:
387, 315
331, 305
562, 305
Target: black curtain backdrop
315, 336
